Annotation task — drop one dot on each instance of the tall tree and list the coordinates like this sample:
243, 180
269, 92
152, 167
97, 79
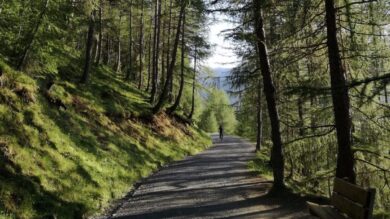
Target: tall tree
141, 45
164, 93
88, 50
156, 47
183, 50
130, 68
277, 158
340, 97
191, 114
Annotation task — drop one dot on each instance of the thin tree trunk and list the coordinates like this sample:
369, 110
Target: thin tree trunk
163, 52
31, 38
107, 50
156, 51
170, 96
149, 62
141, 42
164, 93
193, 86
277, 159
301, 121
183, 50
88, 50
119, 48
345, 160
99, 52
259, 118
130, 68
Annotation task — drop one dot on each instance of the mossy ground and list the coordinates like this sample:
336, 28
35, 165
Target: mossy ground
69, 148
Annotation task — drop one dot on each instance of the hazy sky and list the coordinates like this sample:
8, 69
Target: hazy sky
222, 56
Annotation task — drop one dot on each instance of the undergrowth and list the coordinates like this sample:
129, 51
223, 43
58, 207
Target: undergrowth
67, 149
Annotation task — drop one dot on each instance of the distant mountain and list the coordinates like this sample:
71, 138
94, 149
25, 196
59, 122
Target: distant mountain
222, 72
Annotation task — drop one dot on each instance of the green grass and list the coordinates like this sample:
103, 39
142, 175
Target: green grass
261, 164
71, 162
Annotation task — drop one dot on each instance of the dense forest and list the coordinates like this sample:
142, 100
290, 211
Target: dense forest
96, 94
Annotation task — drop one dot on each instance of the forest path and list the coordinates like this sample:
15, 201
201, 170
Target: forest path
213, 184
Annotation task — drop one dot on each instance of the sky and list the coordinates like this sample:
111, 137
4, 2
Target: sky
222, 56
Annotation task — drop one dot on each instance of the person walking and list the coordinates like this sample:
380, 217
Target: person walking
221, 132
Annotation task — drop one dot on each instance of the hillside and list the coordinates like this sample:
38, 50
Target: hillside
67, 149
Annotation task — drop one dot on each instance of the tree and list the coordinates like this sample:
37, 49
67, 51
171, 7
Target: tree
164, 93
181, 88
88, 50
277, 159
345, 161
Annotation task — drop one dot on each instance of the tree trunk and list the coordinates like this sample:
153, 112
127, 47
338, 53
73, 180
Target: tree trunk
300, 102
99, 52
107, 50
170, 96
31, 38
164, 93
340, 98
88, 50
156, 46
277, 159
193, 87
183, 50
149, 62
130, 68
259, 118
119, 48
141, 44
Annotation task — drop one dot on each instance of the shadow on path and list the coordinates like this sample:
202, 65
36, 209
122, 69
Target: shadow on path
214, 184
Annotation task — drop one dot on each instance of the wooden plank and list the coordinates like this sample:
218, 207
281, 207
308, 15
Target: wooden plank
352, 209
352, 192
324, 211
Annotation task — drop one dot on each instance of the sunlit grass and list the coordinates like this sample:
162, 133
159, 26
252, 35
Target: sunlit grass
71, 162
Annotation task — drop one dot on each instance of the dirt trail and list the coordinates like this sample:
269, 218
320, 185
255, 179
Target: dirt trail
212, 184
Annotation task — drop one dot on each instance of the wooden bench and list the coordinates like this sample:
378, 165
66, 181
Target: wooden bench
347, 201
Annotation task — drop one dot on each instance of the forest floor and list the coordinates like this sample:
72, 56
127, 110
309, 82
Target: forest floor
216, 183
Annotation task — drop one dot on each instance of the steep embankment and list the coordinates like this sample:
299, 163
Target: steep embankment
66, 149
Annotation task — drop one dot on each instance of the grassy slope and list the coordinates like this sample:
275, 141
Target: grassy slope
71, 162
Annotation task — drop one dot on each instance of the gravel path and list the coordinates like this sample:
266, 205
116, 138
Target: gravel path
212, 184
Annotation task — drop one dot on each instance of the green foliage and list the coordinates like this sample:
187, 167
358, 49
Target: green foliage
261, 164
208, 121
218, 106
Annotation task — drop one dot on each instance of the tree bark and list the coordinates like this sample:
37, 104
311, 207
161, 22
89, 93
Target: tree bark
156, 46
277, 159
259, 118
99, 52
183, 50
193, 87
340, 98
164, 93
130, 68
119, 48
141, 44
170, 96
88, 50
149, 62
